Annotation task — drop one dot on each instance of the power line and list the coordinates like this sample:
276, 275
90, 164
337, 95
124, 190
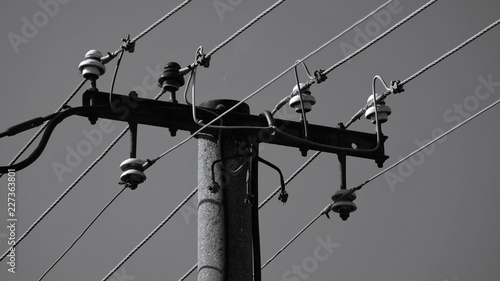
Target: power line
376, 39
146, 31
429, 143
255, 92
425, 68
186, 275
452, 51
155, 24
40, 130
82, 233
245, 27
70, 187
327, 208
150, 234
293, 239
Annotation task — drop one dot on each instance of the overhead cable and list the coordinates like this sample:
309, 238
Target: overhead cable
72, 185
40, 130
327, 208
82, 233
132, 252
376, 39
425, 68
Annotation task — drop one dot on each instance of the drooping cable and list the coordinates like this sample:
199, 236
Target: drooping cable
134, 250
327, 208
71, 186
40, 130
82, 233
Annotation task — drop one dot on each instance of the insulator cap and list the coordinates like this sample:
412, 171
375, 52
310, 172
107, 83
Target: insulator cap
171, 79
92, 67
307, 99
383, 111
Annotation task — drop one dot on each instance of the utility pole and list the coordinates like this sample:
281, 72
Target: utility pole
228, 231
224, 220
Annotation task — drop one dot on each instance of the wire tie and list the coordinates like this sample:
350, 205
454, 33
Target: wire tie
128, 45
396, 87
319, 76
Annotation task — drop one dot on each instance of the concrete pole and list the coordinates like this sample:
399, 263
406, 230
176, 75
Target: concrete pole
224, 220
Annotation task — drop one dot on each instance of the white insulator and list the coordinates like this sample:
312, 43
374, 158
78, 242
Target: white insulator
92, 67
383, 111
307, 99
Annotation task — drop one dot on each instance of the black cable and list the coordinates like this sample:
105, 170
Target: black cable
58, 117
26, 125
254, 185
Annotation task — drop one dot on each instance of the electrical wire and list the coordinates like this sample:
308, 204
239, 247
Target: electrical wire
425, 68
114, 79
291, 240
71, 186
41, 129
429, 143
134, 250
327, 208
155, 24
258, 90
245, 27
452, 51
82, 233
376, 39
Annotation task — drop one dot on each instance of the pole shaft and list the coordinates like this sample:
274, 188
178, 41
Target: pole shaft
224, 220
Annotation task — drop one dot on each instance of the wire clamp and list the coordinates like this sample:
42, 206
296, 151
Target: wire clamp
201, 58
128, 45
396, 87
319, 76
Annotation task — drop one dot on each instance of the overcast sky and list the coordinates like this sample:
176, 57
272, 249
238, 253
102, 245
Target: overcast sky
434, 218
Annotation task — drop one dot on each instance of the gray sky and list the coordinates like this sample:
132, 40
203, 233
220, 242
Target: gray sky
433, 219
